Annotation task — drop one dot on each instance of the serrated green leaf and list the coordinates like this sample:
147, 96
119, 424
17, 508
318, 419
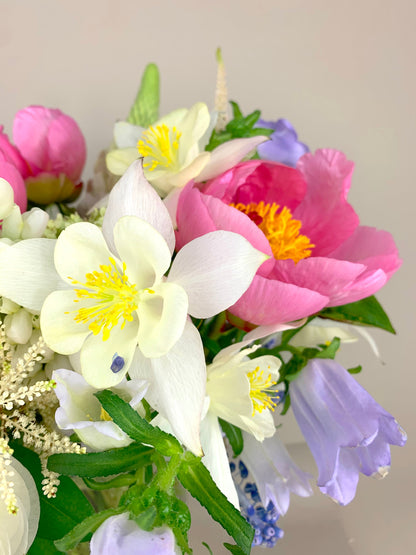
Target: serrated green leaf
234, 549
145, 110
87, 526
234, 436
68, 508
195, 477
104, 463
252, 118
136, 427
355, 370
367, 312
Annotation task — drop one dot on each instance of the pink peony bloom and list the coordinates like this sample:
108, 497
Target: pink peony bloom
10, 173
49, 154
319, 254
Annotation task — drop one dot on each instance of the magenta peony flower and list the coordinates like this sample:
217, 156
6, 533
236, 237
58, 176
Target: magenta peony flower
49, 154
12, 168
319, 254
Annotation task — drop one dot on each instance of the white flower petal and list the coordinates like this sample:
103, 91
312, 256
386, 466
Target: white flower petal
165, 181
228, 155
126, 134
118, 160
80, 249
98, 356
177, 385
59, 329
215, 270
143, 249
215, 458
28, 272
193, 127
6, 198
263, 331
162, 316
132, 195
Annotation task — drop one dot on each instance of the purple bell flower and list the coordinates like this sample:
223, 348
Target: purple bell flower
119, 535
283, 145
345, 429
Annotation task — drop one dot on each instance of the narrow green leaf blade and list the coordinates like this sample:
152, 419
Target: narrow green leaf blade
234, 436
195, 477
145, 109
40, 546
367, 312
90, 524
355, 370
104, 463
136, 427
234, 549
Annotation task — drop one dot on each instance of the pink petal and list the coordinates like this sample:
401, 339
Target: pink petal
367, 284
271, 302
327, 276
12, 175
50, 141
198, 214
12, 155
327, 219
258, 180
372, 247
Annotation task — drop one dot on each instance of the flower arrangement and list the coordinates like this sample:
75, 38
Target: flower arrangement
159, 320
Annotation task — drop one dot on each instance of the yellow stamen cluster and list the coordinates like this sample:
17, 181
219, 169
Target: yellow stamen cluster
115, 298
280, 229
260, 390
160, 145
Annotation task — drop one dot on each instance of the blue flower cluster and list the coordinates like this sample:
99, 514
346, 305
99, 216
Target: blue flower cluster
263, 519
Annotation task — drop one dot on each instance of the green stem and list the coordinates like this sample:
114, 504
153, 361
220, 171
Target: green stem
165, 478
217, 325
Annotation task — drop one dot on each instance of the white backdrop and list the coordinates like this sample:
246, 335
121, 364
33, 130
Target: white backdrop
343, 74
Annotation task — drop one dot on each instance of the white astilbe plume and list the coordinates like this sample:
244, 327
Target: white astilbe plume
21, 399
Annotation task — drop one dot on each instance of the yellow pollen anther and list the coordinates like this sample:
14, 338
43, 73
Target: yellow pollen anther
105, 416
114, 298
280, 229
159, 146
260, 390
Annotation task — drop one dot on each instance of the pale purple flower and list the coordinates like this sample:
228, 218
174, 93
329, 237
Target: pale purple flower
119, 535
346, 430
275, 473
283, 145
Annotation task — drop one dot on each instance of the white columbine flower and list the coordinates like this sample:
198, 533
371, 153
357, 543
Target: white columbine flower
104, 293
173, 149
80, 410
241, 391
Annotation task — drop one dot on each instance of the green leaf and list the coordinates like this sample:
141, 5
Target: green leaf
355, 370
286, 404
145, 109
234, 436
195, 477
136, 427
40, 546
87, 526
235, 550
68, 508
208, 547
367, 312
329, 351
117, 482
237, 113
104, 463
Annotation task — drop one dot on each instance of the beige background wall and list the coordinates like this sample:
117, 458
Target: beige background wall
344, 74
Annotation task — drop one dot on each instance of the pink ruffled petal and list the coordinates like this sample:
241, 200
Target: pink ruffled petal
271, 302
50, 141
327, 276
327, 219
12, 175
258, 180
368, 283
372, 247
